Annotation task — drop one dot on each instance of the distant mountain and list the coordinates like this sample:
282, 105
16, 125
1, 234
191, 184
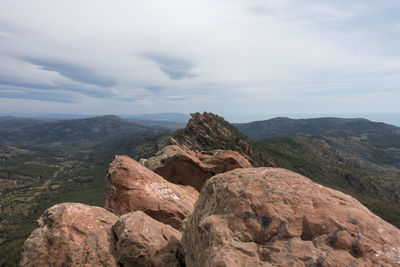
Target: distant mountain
9, 123
174, 117
280, 126
78, 132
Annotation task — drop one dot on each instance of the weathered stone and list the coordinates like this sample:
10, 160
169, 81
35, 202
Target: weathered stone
132, 187
143, 241
71, 234
274, 217
186, 167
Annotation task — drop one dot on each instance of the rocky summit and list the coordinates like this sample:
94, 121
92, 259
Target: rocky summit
242, 217
208, 131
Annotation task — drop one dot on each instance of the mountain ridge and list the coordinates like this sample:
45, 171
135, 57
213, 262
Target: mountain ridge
96, 129
281, 126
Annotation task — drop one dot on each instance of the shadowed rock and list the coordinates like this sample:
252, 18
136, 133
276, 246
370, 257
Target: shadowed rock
71, 234
274, 217
186, 167
132, 187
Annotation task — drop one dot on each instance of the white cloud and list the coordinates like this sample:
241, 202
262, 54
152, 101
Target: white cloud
209, 55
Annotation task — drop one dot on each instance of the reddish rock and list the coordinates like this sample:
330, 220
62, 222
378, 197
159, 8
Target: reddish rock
186, 167
274, 217
143, 241
132, 187
71, 234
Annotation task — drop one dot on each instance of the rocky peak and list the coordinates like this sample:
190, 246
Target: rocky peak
208, 131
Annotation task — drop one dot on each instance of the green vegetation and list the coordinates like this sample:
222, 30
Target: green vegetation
69, 175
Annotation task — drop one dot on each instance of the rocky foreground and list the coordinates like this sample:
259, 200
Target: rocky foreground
243, 216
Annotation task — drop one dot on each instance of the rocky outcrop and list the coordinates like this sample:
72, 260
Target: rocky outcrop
143, 241
132, 187
193, 168
243, 217
274, 217
71, 234
207, 131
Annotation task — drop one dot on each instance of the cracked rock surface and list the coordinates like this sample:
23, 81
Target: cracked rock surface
71, 234
132, 187
275, 217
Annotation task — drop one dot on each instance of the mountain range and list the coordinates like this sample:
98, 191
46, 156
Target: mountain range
46, 161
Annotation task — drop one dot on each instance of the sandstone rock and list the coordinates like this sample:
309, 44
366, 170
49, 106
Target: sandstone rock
274, 217
132, 187
71, 234
143, 241
193, 168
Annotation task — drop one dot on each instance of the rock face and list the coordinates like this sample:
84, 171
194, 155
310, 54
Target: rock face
193, 168
143, 241
274, 217
132, 187
207, 131
71, 234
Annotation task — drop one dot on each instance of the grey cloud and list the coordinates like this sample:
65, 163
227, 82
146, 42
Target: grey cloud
8, 27
7, 82
260, 10
38, 88
26, 93
176, 98
95, 92
73, 71
154, 89
175, 69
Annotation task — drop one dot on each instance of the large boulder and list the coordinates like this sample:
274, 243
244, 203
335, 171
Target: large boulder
143, 241
132, 187
186, 167
71, 234
274, 217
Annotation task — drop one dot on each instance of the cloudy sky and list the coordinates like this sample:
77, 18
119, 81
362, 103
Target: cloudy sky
231, 57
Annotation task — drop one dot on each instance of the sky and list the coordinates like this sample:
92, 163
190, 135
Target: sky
236, 58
